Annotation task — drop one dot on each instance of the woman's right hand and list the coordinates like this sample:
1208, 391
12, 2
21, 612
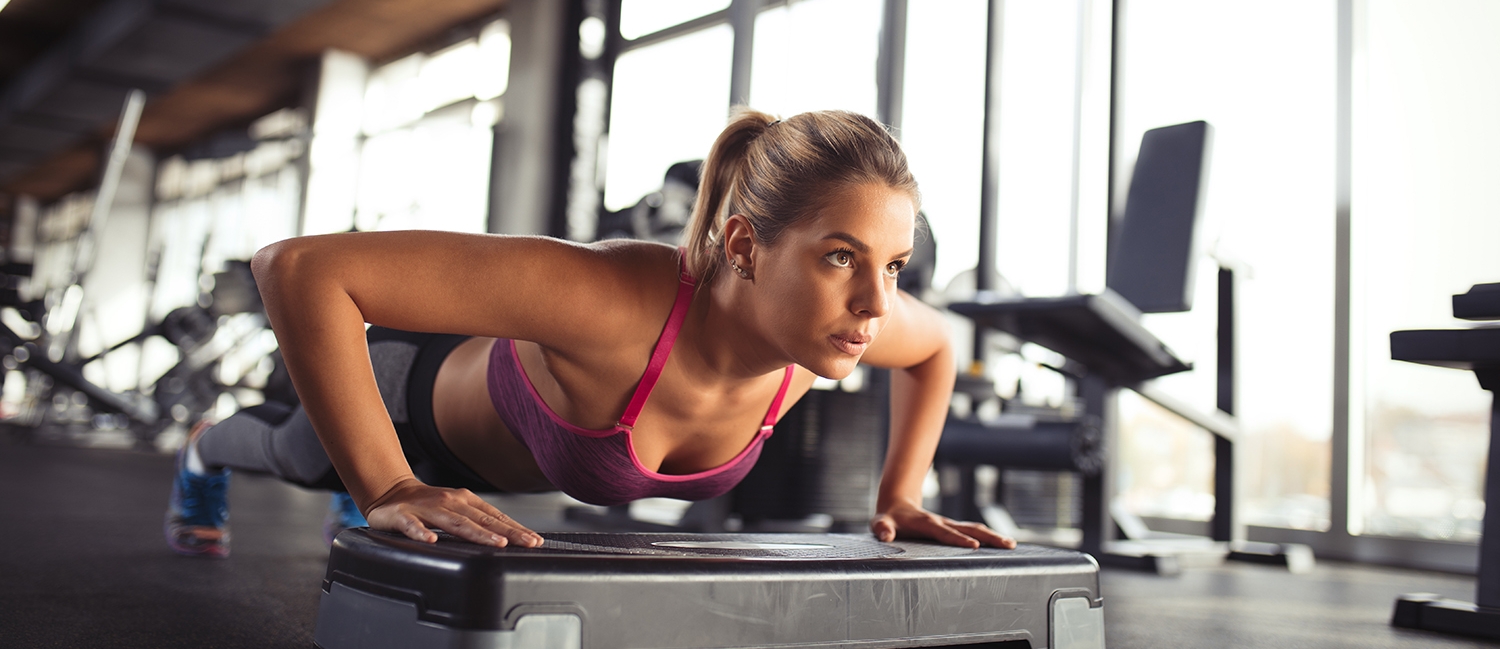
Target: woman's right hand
411, 508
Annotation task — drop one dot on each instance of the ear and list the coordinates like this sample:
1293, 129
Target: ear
739, 241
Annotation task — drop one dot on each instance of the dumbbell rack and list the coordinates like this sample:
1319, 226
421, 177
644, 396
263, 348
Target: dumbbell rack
1478, 350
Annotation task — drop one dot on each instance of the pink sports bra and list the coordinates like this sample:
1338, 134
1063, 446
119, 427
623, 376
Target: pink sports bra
600, 466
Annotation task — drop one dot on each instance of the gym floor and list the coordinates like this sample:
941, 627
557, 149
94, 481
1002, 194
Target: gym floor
83, 564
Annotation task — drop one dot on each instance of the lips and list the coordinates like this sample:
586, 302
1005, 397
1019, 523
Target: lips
852, 343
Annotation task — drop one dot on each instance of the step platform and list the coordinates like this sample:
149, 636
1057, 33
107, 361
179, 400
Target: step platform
704, 591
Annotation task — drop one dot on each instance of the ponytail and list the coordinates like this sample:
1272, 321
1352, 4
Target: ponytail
721, 173
778, 172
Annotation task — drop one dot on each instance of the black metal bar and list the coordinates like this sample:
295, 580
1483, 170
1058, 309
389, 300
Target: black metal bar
1035, 445
614, 45
563, 145
102, 399
695, 25
680, 29
1223, 522
1098, 527
1487, 593
959, 490
1226, 333
147, 332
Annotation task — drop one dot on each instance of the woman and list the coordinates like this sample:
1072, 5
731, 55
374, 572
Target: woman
789, 272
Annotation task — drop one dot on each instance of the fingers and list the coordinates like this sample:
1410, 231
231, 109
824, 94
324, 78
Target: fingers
492, 527
986, 535
412, 527
943, 531
456, 511
924, 524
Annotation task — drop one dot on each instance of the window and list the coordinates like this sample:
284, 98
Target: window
816, 55
1265, 80
428, 123
943, 110
670, 101
1424, 226
641, 17
408, 145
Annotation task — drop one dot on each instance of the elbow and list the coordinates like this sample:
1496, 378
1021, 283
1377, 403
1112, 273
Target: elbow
942, 333
944, 330
274, 264
941, 364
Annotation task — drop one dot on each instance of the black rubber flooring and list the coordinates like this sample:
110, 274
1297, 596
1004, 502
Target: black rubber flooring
83, 564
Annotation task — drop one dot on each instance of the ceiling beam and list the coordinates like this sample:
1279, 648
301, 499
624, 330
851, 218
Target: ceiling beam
266, 75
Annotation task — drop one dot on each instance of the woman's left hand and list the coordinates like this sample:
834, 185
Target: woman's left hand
906, 521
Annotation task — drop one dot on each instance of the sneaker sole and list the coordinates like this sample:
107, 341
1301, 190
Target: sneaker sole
213, 551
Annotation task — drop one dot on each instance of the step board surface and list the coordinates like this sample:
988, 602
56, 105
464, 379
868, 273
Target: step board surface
702, 591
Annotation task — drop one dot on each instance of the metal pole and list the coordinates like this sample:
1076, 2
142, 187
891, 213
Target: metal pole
1224, 473
1115, 23
114, 166
1081, 51
1098, 490
891, 65
742, 19
84, 248
1341, 492
989, 193
1487, 591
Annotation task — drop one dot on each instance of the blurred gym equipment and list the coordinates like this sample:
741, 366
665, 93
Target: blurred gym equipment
1477, 350
1150, 270
660, 215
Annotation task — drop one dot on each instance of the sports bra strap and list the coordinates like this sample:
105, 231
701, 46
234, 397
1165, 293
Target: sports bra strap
775, 411
685, 285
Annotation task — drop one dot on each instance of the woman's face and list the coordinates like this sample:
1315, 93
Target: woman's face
829, 283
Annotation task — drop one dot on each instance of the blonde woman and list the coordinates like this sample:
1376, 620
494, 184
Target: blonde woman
612, 371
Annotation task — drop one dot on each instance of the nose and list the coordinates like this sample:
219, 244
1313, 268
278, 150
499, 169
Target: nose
872, 295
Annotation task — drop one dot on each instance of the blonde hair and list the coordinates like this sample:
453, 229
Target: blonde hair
779, 172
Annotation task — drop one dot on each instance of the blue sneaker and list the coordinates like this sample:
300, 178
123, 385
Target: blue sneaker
198, 514
342, 515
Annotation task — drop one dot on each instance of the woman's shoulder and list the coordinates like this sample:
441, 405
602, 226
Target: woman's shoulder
636, 253
638, 266
635, 279
611, 299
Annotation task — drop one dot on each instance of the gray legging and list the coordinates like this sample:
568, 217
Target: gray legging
279, 439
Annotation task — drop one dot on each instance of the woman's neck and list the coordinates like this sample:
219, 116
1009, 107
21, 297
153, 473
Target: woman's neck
723, 336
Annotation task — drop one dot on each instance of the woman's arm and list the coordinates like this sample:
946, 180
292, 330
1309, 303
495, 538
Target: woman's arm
319, 292
915, 345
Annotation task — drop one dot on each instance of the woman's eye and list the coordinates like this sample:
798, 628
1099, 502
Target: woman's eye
894, 268
841, 258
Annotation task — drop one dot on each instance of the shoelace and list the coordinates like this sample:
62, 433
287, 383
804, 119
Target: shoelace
203, 499
348, 512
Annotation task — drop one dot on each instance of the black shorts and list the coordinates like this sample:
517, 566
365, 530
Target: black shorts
431, 460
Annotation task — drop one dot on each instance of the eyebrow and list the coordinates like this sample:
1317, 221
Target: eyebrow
860, 246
